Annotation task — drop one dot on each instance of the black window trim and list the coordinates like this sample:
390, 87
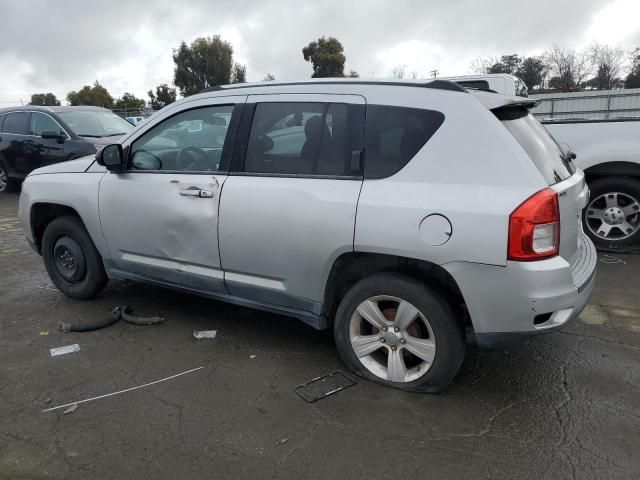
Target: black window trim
238, 109
242, 142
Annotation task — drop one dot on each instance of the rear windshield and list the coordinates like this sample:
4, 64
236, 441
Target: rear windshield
547, 155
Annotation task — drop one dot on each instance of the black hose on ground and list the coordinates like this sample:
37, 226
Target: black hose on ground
123, 312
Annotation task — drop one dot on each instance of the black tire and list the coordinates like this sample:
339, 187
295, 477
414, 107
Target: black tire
447, 329
628, 186
7, 185
68, 234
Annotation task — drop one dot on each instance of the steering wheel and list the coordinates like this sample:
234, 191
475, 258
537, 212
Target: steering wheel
192, 159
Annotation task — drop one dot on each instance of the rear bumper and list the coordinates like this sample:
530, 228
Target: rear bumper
526, 298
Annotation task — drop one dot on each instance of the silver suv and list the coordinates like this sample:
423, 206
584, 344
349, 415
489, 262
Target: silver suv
409, 217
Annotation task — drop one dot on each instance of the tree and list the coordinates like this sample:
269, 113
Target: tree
633, 79
568, 68
353, 74
129, 102
44, 99
398, 71
327, 57
507, 64
532, 71
608, 63
268, 78
96, 95
207, 62
164, 96
481, 65
238, 73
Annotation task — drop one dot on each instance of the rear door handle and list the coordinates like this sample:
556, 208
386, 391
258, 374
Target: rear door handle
196, 192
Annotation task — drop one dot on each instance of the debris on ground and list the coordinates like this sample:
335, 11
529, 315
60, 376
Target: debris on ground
64, 350
205, 333
611, 259
71, 404
44, 333
121, 312
283, 441
71, 409
324, 386
252, 356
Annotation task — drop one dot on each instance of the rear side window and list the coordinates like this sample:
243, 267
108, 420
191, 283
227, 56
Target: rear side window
538, 143
302, 138
394, 135
16, 123
479, 84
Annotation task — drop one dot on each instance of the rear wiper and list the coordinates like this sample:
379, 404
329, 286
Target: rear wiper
90, 136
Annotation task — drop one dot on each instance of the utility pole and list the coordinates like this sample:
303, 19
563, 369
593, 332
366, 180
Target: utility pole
434, 73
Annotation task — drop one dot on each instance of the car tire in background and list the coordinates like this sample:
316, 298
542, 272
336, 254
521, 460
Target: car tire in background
397, 331
612, 217
72, 260
7, 185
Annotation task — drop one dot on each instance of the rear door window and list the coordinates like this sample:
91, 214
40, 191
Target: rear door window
16, 123
42, 123
394, 135
302, 138
543, 150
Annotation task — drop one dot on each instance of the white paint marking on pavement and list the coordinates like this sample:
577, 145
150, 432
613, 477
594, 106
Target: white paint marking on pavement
121, 391
64, 350
205, 333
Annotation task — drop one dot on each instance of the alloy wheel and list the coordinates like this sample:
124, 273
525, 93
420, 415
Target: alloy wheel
392, 339
613, 216
4, 179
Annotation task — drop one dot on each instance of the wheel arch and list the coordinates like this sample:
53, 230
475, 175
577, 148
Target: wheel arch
351, 267
612, 169
42, 214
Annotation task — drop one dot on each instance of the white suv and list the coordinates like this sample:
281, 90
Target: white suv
407, 216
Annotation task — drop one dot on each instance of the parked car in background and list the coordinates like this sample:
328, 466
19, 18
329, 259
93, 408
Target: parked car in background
609, 153
32, 137
495, 82
407, 216
134, 120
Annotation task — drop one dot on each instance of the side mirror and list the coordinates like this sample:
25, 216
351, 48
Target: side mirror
53, 135
111, 157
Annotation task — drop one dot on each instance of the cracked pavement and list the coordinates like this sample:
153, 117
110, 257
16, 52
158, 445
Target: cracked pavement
563, 405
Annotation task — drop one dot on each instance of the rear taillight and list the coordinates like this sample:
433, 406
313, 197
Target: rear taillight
534, 228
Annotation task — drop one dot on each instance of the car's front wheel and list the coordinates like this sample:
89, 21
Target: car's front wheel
71, 259
395, 330
6, 184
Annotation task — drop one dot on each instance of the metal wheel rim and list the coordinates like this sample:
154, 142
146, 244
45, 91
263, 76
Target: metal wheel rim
69, 259
613, 216
4, 179
387, 346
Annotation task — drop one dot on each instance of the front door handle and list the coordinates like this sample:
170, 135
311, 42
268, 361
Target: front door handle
196, 192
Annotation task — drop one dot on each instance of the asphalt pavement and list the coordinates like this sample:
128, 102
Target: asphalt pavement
563, 405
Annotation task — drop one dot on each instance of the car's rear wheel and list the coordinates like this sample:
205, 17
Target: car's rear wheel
395, 330
612, 217
72, 260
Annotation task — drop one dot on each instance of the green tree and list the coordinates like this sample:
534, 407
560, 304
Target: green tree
327, 57
268, 78
238, 73
128, 101
96, 95
44, 99
633, 79
532, 71
164, 96
353, 74
207, 62
608, 63
507, 64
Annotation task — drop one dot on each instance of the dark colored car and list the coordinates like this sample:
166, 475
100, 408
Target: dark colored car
32, 137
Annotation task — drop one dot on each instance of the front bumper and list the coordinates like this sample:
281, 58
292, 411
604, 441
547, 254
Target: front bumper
526, 298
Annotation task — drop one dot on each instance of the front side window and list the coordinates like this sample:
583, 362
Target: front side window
16, 123
95, 123
42, 123
394, 135
192, 141
291, 138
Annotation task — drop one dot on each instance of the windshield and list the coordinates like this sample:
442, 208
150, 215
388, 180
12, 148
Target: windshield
541, 147
98, 124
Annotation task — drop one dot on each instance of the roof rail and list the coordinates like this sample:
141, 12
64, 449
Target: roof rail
437, 84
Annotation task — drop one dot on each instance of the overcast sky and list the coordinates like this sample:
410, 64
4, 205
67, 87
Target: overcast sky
48, 46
